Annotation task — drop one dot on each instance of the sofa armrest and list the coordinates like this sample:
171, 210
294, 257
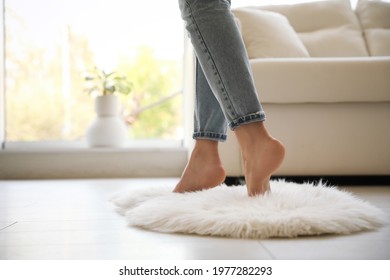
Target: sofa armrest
322, 80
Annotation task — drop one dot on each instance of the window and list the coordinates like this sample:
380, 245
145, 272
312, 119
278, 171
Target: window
51, 44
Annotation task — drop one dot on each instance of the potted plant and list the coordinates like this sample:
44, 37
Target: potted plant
108, 129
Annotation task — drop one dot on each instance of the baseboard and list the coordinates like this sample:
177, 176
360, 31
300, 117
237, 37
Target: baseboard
339, 180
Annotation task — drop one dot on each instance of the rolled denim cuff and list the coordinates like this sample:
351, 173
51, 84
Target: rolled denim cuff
210, 136
254, 117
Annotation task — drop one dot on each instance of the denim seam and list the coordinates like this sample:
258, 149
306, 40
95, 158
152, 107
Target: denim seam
253, 117
210, 135
224, 94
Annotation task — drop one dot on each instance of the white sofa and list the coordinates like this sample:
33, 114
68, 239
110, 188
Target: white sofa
322, 71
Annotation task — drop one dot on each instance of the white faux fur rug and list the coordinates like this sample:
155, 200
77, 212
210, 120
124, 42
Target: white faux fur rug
289, 210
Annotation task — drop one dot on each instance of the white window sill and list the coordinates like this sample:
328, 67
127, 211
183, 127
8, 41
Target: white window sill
68, 160
49, 146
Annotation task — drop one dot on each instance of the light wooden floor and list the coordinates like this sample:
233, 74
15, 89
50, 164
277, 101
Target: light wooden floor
74, 220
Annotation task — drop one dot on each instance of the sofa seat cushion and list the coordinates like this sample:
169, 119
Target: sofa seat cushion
268, 34
322, 80
326, 28
374, 17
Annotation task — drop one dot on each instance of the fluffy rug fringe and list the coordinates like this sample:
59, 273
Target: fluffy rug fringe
289, 210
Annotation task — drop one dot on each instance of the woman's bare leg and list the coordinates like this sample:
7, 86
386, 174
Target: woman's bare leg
262, 155
204, 169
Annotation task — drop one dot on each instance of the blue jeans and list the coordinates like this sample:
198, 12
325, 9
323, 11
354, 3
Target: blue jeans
225, 90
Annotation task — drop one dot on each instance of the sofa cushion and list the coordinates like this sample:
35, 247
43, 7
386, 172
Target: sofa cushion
322, 80
374, 17
267, 34
326, 28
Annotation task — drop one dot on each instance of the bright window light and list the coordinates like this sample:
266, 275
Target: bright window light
50, 44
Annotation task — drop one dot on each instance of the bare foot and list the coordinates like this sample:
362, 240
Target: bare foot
204, 169
262, 155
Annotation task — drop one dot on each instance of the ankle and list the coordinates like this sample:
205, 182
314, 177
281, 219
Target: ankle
206, 148
250, 131
251, 136
203, 144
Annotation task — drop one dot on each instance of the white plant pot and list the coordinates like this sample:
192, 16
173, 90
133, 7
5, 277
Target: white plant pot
108, 129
